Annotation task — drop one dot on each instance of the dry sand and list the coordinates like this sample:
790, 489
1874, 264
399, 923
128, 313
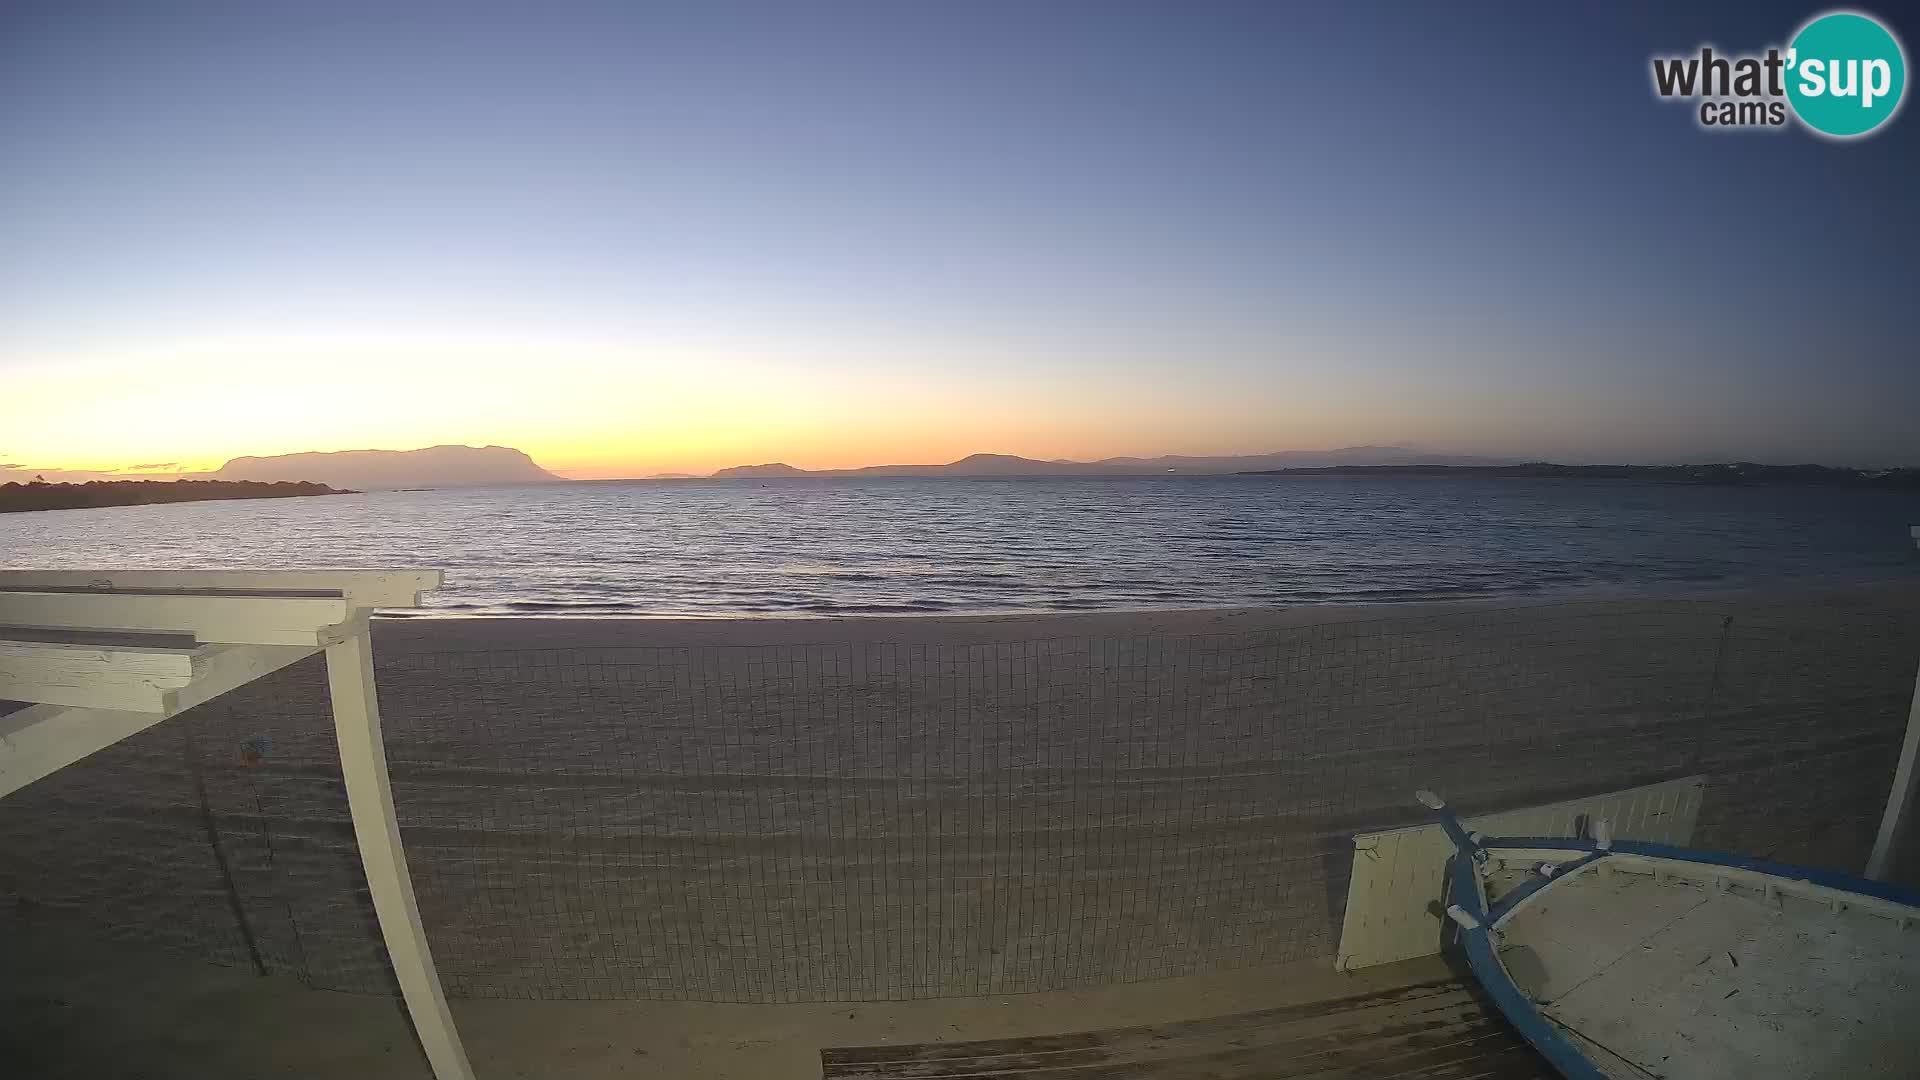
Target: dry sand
854, 810
72, 1009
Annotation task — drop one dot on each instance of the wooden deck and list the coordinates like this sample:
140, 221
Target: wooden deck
1431, 1031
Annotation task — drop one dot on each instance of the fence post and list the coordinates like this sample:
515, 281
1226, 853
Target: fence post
363, 761
1897, 821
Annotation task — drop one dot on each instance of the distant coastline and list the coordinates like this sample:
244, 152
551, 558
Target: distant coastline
1013, 465
1728, 474
1354, 461
18, 498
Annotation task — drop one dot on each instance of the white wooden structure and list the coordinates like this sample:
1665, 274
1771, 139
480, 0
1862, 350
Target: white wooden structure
1399, 873
102, 655
1896, 822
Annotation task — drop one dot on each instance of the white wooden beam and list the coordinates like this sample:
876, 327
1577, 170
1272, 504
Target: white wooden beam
88, 656
43, 739
1896, 821
211, 617
52, 734
363, 761
220, 668
134, 678
360, 588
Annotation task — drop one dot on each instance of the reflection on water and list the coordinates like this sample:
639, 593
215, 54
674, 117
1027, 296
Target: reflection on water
898, 545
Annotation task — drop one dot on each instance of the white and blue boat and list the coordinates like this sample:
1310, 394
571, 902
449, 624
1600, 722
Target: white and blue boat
1621, 960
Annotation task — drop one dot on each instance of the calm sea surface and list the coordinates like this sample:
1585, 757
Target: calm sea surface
894, 545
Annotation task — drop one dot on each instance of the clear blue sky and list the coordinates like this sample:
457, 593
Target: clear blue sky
633, 238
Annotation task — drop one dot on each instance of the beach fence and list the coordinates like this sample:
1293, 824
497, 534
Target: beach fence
862, 820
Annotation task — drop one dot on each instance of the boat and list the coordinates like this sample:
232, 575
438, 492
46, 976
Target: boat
1622, 960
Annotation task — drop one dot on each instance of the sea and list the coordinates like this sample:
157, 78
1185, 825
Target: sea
949, 545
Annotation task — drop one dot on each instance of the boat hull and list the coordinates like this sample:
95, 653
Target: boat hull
1631, 960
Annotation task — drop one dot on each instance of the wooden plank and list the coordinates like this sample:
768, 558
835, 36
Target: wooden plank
132, 678
220, 668
1299, 1045
1433, 1031
360, 588
88, 690
124, 659
1417, 996
363, 761
46, 737
259, 620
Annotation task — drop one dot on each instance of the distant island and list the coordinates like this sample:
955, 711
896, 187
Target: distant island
432, 466
1009, 465
40, 495
1735, 473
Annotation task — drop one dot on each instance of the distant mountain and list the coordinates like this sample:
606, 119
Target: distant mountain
772, 468
1008, 465
1301, 459
433, 466
972, 465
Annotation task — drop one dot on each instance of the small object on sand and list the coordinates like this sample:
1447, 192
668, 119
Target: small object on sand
254, 749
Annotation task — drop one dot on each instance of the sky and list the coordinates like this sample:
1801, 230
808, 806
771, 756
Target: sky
638, 238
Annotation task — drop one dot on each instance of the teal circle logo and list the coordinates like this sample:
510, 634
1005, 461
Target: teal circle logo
1846, 74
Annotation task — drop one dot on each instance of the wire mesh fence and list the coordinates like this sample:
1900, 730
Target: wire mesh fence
858, 820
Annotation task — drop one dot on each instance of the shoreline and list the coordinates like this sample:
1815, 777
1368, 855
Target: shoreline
43, 497
422, 633
1808, 584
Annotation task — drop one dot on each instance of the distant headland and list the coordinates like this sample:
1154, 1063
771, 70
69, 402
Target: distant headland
358, 470
432, 466
39, 495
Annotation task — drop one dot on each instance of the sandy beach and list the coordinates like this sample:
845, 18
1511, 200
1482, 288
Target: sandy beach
886, 809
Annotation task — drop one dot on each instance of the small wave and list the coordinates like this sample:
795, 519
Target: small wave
843, 607
582, 606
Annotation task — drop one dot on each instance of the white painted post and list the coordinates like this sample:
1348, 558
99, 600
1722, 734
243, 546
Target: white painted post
1897, 820
363, 760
